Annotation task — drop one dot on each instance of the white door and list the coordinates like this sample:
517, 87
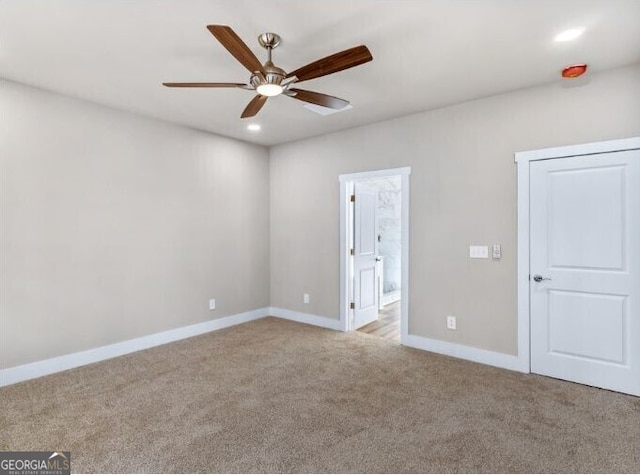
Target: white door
585, 269
365, 246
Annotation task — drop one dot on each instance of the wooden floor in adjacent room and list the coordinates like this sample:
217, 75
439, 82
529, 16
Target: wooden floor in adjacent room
388, 323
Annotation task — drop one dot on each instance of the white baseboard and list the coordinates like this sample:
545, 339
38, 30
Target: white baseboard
61, 363
390, 297
309, 318
492, 358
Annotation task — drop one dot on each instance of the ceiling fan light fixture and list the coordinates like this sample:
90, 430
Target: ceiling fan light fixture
269, 90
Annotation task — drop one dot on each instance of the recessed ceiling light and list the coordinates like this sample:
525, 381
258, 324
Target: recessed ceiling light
253, 127
568, 35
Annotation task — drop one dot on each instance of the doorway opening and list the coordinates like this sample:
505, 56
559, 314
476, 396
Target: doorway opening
374, 252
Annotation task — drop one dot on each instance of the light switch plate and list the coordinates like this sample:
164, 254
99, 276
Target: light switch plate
479, 252
212, 304
496, 251
306, 298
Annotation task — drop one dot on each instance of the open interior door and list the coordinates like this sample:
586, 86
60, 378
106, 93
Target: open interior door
365, 255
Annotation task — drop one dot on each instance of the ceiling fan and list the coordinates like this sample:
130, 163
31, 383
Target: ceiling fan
268, 80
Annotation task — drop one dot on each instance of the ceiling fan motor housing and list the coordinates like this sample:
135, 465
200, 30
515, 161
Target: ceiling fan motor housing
273, 75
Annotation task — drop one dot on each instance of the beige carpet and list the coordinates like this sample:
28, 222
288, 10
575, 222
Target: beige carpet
278, 396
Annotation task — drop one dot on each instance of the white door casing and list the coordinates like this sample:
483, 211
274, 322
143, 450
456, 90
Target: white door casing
585, 238
365, 245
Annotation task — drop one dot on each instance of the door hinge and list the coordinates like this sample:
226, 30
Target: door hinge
352, 252
352, 305
353, 198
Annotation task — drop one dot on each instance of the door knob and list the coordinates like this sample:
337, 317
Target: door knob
539, 278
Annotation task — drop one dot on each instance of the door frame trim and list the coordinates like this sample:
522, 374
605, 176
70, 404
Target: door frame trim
346, 184
523, 160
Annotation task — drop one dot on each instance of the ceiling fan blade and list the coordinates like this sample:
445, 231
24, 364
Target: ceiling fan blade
254, 106
204, 84
319, 99
232, 42
332, 64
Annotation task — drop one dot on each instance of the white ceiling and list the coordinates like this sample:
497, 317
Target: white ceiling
427, 53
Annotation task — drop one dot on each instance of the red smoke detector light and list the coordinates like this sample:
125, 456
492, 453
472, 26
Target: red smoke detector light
574, 71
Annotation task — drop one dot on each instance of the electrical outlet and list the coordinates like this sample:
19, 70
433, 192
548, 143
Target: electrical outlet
451, 322
212, 304
306, 298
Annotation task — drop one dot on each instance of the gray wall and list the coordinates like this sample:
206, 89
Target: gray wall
116, 226
463, 191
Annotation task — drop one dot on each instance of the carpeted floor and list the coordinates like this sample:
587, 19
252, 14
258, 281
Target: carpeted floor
278, 396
